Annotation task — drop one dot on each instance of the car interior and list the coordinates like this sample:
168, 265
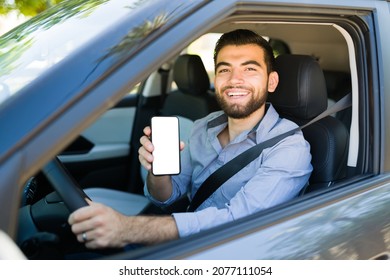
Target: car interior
315, 69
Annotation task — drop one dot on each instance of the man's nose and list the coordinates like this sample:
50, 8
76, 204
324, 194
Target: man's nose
236, 77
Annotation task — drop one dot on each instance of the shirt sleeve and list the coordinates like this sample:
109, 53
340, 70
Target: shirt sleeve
285, 169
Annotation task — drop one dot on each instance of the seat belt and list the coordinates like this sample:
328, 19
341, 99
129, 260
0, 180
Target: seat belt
164, 74
225, 172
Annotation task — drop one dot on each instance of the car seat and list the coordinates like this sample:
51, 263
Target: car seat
301, 96
192, 100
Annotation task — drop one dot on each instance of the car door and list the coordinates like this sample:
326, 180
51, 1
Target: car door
100, 156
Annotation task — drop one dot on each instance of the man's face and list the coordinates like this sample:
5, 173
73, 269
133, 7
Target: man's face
241, 80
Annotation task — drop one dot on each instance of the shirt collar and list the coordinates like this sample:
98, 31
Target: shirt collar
256, 134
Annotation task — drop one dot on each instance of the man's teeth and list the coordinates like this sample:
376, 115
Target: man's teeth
236, 93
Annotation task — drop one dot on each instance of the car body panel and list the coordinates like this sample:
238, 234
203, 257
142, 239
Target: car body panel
341, 226
341, 230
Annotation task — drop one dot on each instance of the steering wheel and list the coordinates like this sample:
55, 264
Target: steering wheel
43, 231
65, 185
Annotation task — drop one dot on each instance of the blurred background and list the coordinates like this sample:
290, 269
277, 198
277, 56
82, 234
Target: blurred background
15, 12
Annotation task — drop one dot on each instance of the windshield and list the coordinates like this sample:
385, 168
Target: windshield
47, 39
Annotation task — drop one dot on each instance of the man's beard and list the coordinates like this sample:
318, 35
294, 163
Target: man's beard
238, 111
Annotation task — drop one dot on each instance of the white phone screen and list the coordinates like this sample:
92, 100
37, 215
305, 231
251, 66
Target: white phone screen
166, 142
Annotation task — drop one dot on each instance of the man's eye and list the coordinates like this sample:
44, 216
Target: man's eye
223, 70
250, 69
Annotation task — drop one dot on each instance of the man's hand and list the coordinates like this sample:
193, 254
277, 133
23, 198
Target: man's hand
160, 187
99, 226
145, 151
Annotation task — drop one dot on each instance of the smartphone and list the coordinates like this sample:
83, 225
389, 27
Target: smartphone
166, 141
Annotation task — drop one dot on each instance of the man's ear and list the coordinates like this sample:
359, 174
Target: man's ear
273, 81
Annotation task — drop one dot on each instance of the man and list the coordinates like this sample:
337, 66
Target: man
244, 75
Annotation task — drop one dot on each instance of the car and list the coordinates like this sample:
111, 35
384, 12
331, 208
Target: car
78, 85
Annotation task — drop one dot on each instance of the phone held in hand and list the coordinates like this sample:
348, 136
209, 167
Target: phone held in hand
166, 141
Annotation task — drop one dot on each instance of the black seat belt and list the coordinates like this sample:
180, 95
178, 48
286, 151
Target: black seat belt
225, 172
164, 74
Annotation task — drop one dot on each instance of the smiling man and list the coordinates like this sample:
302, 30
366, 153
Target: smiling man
244, 77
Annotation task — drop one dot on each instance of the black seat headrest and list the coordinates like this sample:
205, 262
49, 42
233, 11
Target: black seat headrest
190, 75
301, 91
338, 84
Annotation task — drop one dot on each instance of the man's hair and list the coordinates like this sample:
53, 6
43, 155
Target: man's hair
241, 37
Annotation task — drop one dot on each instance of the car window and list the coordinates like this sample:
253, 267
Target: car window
28, 53
333, 58
279, 47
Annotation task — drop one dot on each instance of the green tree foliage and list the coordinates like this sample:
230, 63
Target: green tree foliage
26, 7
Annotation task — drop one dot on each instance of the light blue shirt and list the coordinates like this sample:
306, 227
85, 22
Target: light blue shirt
276, 176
